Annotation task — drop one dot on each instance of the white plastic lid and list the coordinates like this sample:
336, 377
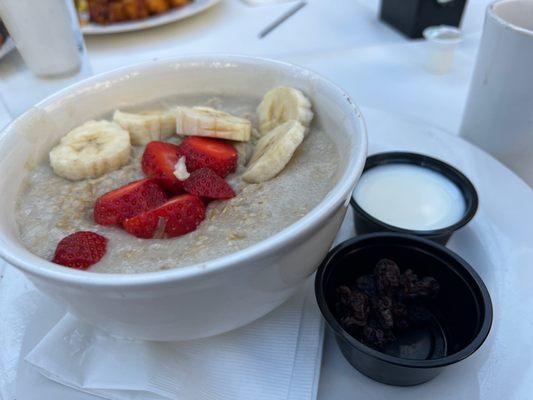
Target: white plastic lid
443, 34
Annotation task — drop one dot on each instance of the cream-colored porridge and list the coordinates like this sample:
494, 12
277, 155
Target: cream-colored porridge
50, 207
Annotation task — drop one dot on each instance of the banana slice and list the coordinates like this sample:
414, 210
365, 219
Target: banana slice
146, 127
283, 104
244, 151
91, 150
206, 121
167, 120
168, 123
274, 151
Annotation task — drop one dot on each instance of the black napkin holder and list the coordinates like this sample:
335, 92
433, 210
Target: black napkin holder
411, 17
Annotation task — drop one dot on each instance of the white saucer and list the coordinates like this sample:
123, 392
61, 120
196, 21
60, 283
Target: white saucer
498, 243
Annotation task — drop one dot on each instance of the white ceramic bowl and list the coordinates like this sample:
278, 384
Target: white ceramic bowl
198, 300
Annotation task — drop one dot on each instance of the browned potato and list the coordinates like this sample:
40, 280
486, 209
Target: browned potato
117, 12
109, 11
178, 3
135, 9
99, 11
157, 6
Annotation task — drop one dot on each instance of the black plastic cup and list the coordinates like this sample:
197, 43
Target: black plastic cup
460, 315
366, 223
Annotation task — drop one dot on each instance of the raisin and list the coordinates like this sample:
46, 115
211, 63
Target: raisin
367, 284
373, 336
360, 307
387, 275
356, 304
399, 310
344, 295
408, 281
428, 287
382, 306
425, 287
382, 303
385, 303
350, 322
385, 318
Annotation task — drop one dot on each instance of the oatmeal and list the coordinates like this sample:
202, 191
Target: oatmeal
51, 207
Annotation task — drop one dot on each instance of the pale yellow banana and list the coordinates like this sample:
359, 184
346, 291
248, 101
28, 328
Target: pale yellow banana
146, 127
274, 151
283, 104
91, 150
206, 121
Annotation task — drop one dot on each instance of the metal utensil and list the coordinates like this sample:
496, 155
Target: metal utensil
269, 28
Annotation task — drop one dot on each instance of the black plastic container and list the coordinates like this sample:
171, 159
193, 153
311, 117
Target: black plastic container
411, 17
366, 223
461, 314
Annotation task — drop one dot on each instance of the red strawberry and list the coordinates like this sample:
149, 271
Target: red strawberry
136, 197
80, 250
202, 152
158, 161
205, 183
178, 216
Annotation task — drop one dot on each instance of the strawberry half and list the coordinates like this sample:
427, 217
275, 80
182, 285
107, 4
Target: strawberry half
158, 161
201, 152
80, 250
178, 216
136, 197
205, 183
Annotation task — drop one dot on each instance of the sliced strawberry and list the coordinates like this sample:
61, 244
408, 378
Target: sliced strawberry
178, 216
136, 197
205, 183
158, 161
80, 250
202, 152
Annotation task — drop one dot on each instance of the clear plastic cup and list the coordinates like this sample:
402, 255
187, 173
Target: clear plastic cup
442, 41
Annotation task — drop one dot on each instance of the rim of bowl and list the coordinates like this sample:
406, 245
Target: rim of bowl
31, 263
476, 342
491, 13
464, 184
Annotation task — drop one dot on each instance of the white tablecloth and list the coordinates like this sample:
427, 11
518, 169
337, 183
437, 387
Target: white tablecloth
342, 39
379, 66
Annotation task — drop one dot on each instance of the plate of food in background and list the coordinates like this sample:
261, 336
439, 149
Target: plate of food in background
114, 16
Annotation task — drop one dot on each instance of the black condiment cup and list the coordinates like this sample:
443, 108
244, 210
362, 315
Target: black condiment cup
366, 223
460, 317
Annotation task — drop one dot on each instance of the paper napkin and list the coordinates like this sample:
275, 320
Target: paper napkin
276, 357
18, 302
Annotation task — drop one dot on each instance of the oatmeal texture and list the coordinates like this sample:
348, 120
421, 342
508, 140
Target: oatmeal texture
50, 208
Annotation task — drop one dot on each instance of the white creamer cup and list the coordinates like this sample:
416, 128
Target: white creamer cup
46, 33
498, 116
442, 41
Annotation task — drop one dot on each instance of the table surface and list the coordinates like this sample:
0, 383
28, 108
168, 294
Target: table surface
340, 39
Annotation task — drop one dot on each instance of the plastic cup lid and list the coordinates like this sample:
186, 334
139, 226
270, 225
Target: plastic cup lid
444, 34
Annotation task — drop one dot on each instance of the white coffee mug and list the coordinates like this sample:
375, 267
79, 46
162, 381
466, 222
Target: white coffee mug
498, 116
